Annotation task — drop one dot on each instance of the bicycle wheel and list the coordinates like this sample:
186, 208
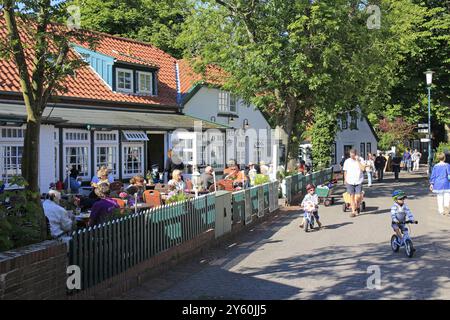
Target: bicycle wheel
394, 243
306, 225
409, 248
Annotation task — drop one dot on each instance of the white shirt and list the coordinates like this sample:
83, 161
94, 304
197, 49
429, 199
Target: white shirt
57, 216
354, 173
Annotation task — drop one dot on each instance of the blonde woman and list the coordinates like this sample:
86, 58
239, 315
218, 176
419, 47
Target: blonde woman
102, 176
177, 181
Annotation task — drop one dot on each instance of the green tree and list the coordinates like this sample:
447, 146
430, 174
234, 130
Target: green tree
295, 58
41, 53
430, 50
156, 21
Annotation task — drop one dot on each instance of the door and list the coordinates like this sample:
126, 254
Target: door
347, 149
155, 151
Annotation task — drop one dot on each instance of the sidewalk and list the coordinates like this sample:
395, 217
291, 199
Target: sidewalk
278, 260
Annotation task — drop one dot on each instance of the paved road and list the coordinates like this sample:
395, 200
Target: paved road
278, 260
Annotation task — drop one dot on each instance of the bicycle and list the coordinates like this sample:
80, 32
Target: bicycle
309, 220
406, 242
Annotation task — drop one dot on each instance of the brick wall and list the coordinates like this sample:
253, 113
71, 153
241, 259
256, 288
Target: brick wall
35, 272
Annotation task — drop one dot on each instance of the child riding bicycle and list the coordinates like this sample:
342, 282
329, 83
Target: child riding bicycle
400, 213
310, 204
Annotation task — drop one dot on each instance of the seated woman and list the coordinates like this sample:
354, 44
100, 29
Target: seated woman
177, 183
102, 210
73, 181
102, 176
237, 176
137, 185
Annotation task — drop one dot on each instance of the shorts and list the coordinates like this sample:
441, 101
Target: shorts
400, 226
354, 188
315, 213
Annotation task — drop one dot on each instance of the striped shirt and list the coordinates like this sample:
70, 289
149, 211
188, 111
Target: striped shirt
401, 213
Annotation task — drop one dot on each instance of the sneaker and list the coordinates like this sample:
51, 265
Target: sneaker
319, 224
301, 226
352, 215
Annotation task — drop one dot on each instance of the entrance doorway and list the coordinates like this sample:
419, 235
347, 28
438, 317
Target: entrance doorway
155, 151
347, 149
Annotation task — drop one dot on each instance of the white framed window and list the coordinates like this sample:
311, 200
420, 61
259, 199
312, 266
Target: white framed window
76, 151
11, 150
106, 151
184, 147
56, 151
124, 80
227, 102
11, 159
145, 82
233, 103
133, 159
214, 152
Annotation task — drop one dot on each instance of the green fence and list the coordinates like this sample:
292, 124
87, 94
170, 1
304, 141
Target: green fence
254, 202
296, 184
106, 250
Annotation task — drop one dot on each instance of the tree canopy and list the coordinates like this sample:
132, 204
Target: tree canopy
155, 21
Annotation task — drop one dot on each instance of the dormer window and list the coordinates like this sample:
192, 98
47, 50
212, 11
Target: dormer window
145, 82
124, 80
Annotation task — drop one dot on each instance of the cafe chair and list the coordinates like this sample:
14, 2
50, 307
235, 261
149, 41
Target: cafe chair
121, 204
152, 197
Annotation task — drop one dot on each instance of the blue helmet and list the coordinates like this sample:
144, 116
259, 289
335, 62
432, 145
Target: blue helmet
398, 194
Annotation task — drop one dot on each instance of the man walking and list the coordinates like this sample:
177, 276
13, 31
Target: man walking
380, 162
354, 177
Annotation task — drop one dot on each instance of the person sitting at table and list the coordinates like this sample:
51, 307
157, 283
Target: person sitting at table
74, 182
177, 183
102, 210
139, 182
60, 223
207, 178
236, 175
103, 176
230, 164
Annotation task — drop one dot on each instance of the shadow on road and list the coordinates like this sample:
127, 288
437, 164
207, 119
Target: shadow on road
419, 277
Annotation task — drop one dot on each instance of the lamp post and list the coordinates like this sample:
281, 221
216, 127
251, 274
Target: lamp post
429, 79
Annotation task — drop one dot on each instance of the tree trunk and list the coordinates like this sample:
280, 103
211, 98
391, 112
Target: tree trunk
30, 156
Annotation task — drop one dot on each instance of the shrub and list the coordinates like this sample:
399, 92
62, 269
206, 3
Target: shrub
261, 179
21, 217
443, 147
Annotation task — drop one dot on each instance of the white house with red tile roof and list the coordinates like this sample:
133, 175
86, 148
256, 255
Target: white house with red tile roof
120, 110
202, 97
354, 132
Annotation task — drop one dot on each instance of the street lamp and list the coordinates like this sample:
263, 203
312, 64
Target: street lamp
429, 78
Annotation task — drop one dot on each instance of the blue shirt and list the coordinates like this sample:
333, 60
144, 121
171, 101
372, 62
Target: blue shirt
74, 185
440, 178
96, 179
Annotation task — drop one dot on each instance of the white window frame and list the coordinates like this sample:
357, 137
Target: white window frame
215, 142
56, 150
224, 102
117, 80
184, 148
10, 142
79, 144
107, 143
124, 163
149, 92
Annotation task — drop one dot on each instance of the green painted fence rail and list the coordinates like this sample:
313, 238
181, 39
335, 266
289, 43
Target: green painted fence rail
106, 250
296, 184
254, 202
